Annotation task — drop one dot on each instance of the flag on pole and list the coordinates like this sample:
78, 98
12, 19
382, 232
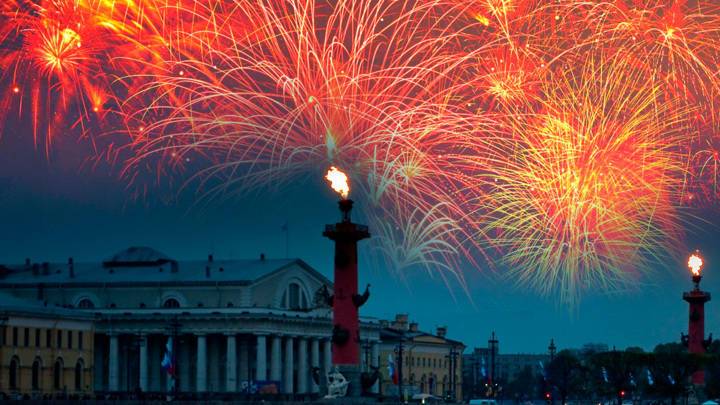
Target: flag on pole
542, 371
650, 377
605, 374
167, 363
392, 371
483, 371
632, 380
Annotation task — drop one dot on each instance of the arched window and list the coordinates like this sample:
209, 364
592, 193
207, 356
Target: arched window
171, 303
294, 297
79, 375
57, 375
36, 374
13, 373
86, 303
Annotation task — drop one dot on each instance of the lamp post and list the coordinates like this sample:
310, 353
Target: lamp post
452, 362
695, 339
552, 350
346, 301
399, 352
493, 346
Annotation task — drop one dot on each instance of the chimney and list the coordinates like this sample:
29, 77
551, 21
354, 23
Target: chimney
207, 271
71, 267
210, 258
401, 321
441, 331
413, 326
36, 269
45, 268
262, 257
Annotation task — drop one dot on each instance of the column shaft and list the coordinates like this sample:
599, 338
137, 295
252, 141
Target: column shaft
243, 374
327, 355
231, 366
275, 360
143, 372
288, 376
201, 378
314, 363
261, 359
113, 364
302, 367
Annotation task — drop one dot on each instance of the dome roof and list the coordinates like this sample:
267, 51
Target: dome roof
137, 256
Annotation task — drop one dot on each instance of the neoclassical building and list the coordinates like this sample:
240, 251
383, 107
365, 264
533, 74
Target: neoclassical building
432, 363
237, 324
45, 351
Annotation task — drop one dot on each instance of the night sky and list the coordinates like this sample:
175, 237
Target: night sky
60, 206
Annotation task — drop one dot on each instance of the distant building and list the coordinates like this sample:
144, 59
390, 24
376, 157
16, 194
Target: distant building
431, 361
45, 351
478, 368
590, 348
240, 325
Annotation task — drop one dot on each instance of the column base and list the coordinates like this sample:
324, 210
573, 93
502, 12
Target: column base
352, 373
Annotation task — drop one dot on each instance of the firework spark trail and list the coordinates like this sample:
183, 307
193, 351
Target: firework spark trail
563, 136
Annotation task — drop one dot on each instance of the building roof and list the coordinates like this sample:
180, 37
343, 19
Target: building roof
147, 266
11, 305
393, 334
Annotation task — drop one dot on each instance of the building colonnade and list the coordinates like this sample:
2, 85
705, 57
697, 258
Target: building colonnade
215, 362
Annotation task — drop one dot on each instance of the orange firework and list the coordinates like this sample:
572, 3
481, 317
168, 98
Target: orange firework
52, 58
587, 197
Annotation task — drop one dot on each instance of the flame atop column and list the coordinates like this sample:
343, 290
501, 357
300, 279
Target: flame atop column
338, 181
695, 263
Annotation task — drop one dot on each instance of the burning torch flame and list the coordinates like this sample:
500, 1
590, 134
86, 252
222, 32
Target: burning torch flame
695, 263
338, 182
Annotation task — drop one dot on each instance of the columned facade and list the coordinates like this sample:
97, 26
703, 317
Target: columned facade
215, 356
238, 327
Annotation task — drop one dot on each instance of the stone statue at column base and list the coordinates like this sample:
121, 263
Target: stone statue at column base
337, 384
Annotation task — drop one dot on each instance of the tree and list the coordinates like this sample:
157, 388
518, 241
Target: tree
564, 373
521, 386
616, 371
671, 366
712, 371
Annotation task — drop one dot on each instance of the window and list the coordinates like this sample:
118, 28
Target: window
78, 375
37, 337
171, 303
13, 373
3, 331
15, 336
294, 297
80, 340
48, 338
57, 375
70, 335
36, 375
26, 337
86, 303
59, 339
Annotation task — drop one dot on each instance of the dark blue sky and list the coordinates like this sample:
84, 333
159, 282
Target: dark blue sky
51, 209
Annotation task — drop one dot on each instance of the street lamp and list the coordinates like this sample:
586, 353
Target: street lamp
452, 360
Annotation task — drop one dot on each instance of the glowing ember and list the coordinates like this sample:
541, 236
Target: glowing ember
338, 181
695, 263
